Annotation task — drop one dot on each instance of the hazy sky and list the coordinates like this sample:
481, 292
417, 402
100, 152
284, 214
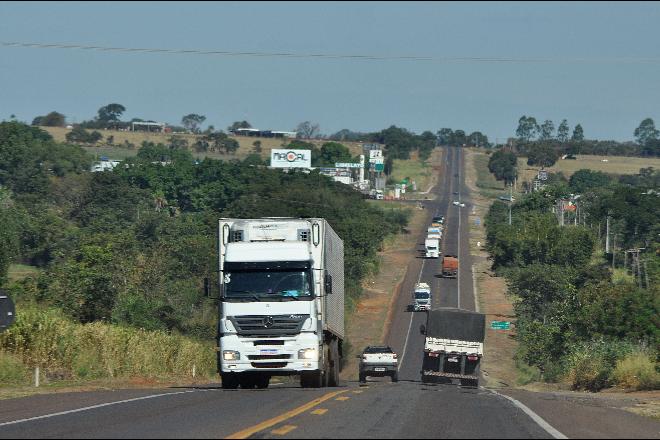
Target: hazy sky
607, 95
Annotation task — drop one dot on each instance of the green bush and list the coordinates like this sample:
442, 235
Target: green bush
590, 366
637, 371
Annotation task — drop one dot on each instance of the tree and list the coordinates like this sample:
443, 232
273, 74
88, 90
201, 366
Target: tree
578, 133
542, 155
562, 131
646, 132
239, 124
546, 131
52, 119
459, 138
193, 121
586, 180
503, 165
527, 128
307, 130
445, 135
333, 152
257, 147
110, 113
478, 139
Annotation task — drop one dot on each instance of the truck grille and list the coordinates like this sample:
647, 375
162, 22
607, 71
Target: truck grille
269, 365
278, 325
269, 357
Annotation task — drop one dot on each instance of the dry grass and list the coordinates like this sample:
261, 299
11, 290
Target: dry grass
116, 151
614, 165
65, 350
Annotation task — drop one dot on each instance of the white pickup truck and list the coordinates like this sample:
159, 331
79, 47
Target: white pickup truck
378, 361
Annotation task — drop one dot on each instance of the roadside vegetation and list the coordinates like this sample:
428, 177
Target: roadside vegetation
120, 256
576, 322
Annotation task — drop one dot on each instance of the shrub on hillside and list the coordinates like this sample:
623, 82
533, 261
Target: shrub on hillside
637, 371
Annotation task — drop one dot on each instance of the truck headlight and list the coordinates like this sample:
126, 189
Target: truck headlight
308, 354
229, 355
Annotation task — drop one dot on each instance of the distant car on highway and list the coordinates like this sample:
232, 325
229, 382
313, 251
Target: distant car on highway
457, 203
439, 219
507, 198
378, 361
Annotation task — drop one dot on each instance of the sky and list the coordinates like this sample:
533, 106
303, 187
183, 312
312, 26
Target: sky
593, 63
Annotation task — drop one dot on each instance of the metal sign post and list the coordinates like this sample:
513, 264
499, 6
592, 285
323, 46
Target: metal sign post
7, 311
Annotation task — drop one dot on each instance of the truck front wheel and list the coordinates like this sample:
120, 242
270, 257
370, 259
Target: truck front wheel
229, 381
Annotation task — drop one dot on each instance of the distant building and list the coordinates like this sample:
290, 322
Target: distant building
254, 132
104, 165
157, 127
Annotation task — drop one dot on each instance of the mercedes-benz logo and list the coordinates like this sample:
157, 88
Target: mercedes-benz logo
268, 321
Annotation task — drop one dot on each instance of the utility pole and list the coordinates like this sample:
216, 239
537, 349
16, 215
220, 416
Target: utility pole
510, 202
607, 236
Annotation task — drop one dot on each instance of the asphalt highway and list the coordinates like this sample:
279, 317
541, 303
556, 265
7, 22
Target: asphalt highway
380, 409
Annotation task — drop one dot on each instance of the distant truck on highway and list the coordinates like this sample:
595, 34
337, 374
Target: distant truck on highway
434, 233
450, 266
281, 309
422, 298
432, 248
453, 346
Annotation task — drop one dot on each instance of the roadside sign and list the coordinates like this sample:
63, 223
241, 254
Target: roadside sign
349, 165
379, 167
7, 311
477, 221
500, 325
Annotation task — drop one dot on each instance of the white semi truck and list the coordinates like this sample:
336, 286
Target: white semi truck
281, 307
422, 299
432, 248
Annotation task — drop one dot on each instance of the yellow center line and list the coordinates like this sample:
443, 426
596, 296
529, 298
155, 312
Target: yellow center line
319, 412
283, 417
284, 430
342, 399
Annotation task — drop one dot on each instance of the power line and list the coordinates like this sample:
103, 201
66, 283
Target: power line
213, 52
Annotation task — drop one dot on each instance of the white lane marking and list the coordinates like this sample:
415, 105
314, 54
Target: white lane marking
535, 417
460, 214
89, 408
474, 291
412, 315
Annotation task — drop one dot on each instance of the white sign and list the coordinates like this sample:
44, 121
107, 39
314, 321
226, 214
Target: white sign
348, 165
379, 160
291, 158
374, 155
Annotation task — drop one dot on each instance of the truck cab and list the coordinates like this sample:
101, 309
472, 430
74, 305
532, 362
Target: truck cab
281, 301
422, 299
432, 248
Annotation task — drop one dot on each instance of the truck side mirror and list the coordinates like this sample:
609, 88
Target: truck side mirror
328, 284
422, 329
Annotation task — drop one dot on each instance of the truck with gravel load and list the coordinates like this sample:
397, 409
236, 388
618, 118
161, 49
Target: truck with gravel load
453, 346
450, 266
281, 308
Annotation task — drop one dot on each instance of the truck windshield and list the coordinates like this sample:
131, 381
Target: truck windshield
422, 295
268, 285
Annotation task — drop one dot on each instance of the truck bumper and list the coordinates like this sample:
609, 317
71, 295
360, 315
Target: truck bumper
370, 369
275, 359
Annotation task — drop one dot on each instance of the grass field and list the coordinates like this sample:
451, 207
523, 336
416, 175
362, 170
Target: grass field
614, 165
116, 151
